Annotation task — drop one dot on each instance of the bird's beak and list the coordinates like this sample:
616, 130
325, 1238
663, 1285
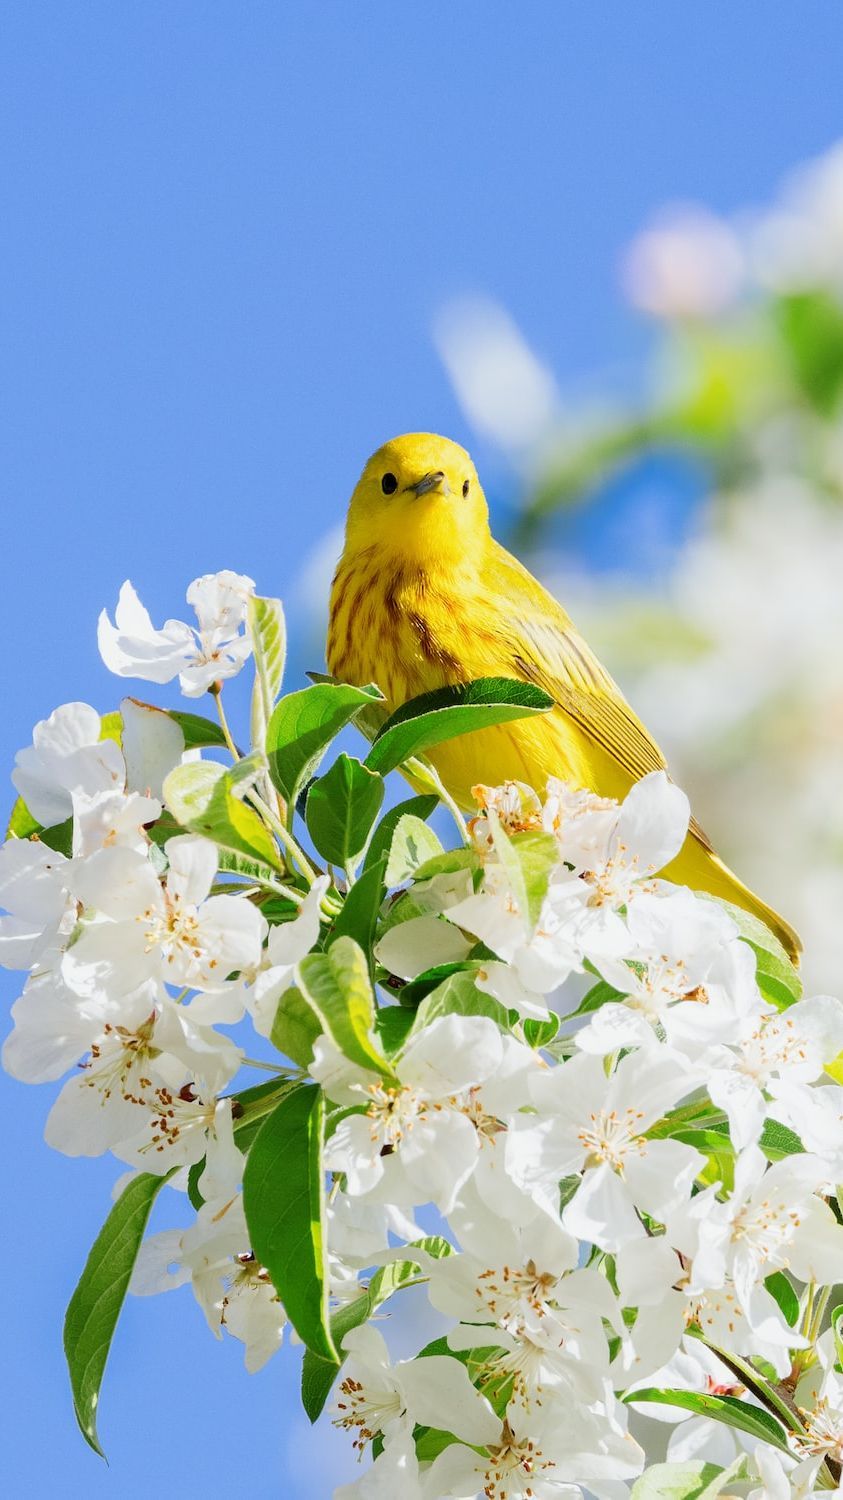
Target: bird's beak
433, 481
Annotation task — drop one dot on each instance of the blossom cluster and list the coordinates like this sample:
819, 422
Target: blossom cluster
589, 1110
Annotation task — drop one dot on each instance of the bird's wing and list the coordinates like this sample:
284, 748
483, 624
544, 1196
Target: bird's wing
547, 650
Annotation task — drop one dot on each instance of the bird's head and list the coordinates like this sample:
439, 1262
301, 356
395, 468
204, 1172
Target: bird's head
419, 497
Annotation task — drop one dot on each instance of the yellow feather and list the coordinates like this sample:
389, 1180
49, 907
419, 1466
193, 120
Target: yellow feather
424, 597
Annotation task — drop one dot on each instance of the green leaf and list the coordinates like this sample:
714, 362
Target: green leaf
403, 907
295, 1028
737, 1471
59, 837
94, 1308
459, 996
284, 1203
201, 799
393, 1024
319, 1374
448, 712
719, 1150
777, 1141
302, 727
21, 824
267, 628
431, 1441
778, 978
246, 771
568, 1186
337, 985
599, 994
359, 914
448, 863
537, 1033
414, 991
241, 864
341, 808
685, 1481
379, 844
728, 1409
278, 909
412, 843
837, 1332
784, 1295
811, 325
199, 733
527, 859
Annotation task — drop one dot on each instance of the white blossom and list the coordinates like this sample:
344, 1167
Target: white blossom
378, 1399
67, 755
174, 931
200, 655
435, 1123
34, 893
231, 1287
590, 1124
773, 1218
544, 1457
147, 1090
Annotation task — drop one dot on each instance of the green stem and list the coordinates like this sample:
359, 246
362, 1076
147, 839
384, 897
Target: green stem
283, 835
259, 1107
820, 1305
216, 694
425, 772
281, 889
759, 1387
808, 1311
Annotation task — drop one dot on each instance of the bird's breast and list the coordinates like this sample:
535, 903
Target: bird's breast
397, 628
412, 633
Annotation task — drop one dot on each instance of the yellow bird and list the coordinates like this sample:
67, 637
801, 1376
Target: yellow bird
424, 597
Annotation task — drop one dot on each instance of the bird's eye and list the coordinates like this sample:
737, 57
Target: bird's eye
465, 489
389, 484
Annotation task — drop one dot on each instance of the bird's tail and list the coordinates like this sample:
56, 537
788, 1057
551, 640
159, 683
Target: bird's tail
703, 870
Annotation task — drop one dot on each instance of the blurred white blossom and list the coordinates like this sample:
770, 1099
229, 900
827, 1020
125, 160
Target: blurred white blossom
687, 264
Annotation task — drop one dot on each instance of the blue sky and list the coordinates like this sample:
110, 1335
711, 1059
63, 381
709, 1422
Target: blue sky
226, 232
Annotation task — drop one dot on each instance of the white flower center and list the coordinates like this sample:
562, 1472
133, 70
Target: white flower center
510, 1294
525, 1367
511, 1467
176, 930
367, 1409
612, 1137
393, 1112
614, 881
714, 1311
174, 1115
120, 1063
773, 1047
662, 984
247, 1277
765, 1227
825, 1431
117, 1061
486, 1125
